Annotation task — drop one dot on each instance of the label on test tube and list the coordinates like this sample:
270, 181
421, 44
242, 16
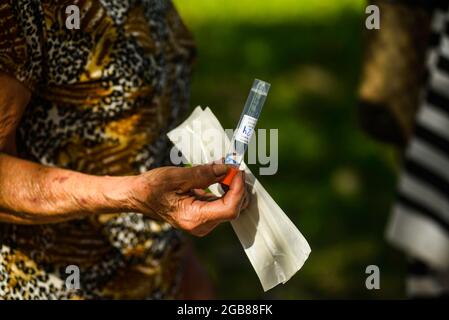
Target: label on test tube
246, 129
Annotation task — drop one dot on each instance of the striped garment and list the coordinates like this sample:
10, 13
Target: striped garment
420, 221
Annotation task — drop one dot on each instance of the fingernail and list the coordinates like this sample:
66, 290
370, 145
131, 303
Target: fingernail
220, 169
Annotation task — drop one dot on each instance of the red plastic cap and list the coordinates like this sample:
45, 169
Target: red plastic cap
230, 176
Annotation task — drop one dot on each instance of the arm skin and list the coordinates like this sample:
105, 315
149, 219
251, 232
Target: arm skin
35, 194
31, 193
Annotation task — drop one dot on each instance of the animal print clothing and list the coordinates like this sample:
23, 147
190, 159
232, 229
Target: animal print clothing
103, 97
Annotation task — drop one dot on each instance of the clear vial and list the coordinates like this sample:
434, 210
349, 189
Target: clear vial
247, 123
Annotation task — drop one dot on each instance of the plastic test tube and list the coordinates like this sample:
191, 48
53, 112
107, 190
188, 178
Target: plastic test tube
245, 129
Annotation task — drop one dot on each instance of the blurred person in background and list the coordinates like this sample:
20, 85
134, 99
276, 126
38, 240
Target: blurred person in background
83, 121
404, 100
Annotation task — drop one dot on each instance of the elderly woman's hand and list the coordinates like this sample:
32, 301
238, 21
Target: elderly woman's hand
31, 193
177, 195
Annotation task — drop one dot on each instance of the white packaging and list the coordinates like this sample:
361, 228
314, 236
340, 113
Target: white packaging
273, 244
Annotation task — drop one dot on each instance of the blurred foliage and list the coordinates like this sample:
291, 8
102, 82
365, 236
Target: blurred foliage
335, 183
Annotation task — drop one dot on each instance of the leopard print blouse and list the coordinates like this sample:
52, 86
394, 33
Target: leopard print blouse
103, 97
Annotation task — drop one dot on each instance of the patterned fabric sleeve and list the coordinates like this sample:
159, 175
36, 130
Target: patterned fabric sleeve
21, 40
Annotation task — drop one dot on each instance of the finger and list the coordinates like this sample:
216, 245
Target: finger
236, 191
204, 229
202, 176
219, 161
189, 219
227, 207
225, 187
200, 192
201, 195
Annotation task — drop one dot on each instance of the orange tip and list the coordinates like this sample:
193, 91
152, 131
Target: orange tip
230, 176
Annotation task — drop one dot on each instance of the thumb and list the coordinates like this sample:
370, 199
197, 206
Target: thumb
200, 177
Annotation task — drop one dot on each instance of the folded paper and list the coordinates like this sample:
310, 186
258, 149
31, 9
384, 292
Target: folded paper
273, 244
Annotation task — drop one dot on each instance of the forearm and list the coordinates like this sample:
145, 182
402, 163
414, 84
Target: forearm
34, 194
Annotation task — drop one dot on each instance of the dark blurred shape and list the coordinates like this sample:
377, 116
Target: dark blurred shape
393, 70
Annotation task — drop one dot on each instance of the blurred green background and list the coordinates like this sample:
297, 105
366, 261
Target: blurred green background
335, 183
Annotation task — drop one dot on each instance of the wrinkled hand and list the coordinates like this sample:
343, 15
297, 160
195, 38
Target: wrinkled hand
177, 196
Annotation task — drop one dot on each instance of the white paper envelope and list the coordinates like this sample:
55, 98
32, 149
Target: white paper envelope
273, 244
